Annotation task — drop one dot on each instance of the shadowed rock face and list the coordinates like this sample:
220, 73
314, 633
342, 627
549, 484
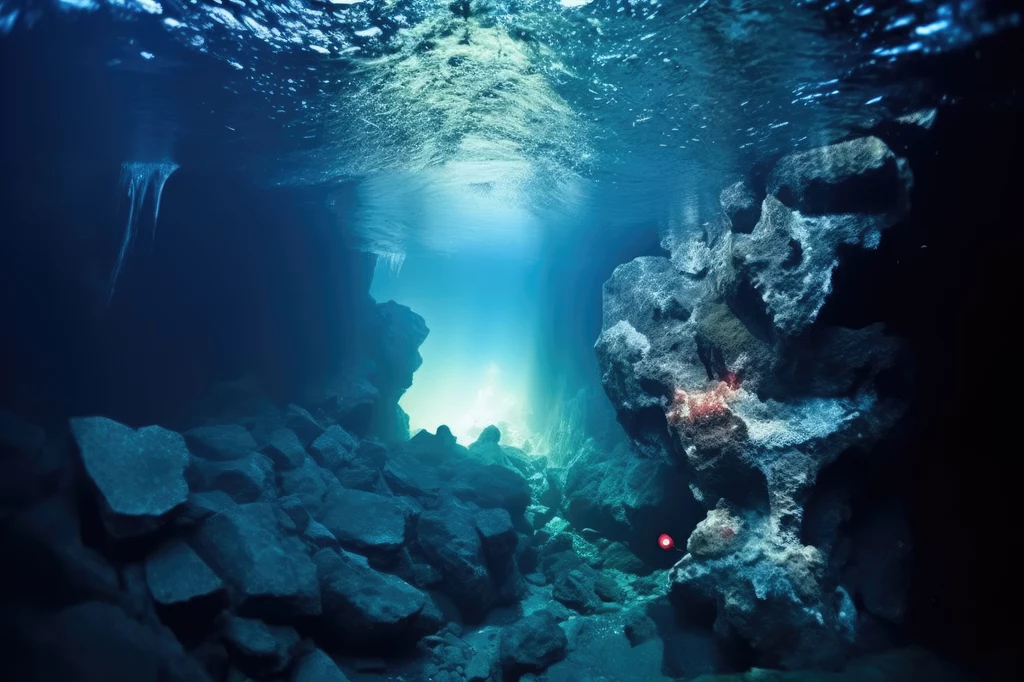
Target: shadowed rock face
715, 363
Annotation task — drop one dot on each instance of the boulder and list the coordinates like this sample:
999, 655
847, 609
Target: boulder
177, 575
293, 508
493, 485
363, 607
285, 449
366, 522
317, 666
530, 645
222, 442
498, 536
741, 206
267, 571
450, 541
309, 483
333, 448
259, 649
575, 589
249, 478
318, 537
140, 475
301, 422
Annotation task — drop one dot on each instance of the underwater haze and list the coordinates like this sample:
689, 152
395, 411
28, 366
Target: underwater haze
509, 340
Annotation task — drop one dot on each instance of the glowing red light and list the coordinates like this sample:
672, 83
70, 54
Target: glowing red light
666, 542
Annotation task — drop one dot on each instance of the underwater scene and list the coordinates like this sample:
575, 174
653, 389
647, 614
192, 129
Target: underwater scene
510, 340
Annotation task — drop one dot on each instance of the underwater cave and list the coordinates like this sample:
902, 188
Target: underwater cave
509, 340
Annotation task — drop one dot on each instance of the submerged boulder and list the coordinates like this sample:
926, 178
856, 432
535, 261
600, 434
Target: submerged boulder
366, 522
247, 479
317, 666
530, 645
221, 442
258, 648
267, 571
449, 539
177, 575
140, 475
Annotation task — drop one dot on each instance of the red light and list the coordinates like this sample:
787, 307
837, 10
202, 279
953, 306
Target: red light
666, 542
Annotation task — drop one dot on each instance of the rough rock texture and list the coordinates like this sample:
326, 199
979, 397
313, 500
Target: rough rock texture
366, 522
716, 363
140, 475
317, 667
268, 572
249, 478
220, 442
531, 645
259, 648
449, 538
177, 575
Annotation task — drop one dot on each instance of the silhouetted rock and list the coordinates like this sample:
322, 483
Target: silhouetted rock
222, 442
498, 535
140, 475
741, 206
530, 645
268, 572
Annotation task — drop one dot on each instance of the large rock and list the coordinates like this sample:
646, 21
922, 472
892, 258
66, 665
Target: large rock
247, 479
140, 475
363, 607
399, 333
334, 448
366, 522
177, 575
858, 176
302, 423
449, 538
285, 449
493, 485
721, 370
222, 442
307, 482
530, 645
269, 573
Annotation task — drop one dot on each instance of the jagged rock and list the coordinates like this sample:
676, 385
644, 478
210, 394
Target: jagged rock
718, 534
249, 478
366, 522
333, 448
301, 422
530, 645
498, 536
493, 485
399, 332
308, 483
575, 589
268, 572
293, 508
259, 649
858, 176
317, 666
639, 627
140, 475
317, 536
371, 454
449, 539
789, 258
285, 449
222, 442
202, 505
741, 206
176, 575
619, 557
362, 606
95, 642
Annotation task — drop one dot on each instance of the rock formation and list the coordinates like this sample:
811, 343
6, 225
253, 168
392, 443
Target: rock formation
717, 363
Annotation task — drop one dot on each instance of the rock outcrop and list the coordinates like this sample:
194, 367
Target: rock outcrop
717, 365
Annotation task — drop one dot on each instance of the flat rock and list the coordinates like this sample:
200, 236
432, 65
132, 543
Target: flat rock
363, 605
221, 442
140, 475
269, 572
175, 574
317, 666
366, 522
531, 644
285, 449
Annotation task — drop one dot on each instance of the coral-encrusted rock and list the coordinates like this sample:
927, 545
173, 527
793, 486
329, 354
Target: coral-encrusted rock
362, 605
268, 572
859, 176
716, 360
140, 474
741, 206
